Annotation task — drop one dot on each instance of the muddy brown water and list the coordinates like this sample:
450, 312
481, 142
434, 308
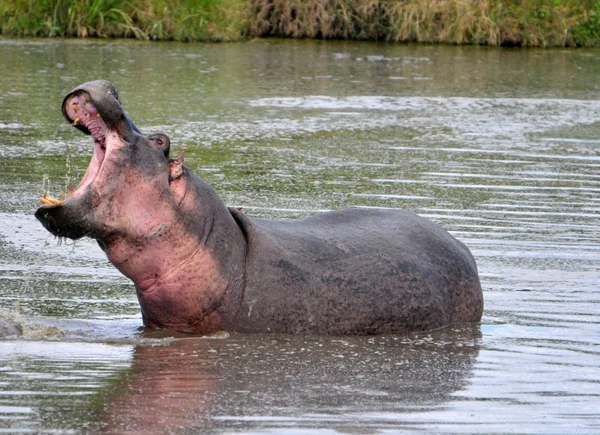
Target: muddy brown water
501, 147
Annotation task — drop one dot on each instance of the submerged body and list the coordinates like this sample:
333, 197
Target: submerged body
201, 267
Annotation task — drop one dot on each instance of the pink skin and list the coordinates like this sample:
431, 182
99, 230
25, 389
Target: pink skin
81, 108
142, 234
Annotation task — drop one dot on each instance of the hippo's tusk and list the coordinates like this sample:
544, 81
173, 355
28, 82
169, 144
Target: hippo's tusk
76, 121
48, 200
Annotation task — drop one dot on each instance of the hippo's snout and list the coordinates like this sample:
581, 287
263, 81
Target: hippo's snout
48, 217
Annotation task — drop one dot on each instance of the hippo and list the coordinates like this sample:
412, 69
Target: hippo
199, 266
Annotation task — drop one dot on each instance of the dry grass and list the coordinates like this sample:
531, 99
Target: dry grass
491, 22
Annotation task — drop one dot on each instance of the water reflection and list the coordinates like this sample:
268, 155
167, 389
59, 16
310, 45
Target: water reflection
262, 381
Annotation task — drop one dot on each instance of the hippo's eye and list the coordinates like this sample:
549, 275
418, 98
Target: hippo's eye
159, 141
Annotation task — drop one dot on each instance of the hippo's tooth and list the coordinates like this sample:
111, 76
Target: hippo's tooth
62, 196
76, 121
76, 107
48, 200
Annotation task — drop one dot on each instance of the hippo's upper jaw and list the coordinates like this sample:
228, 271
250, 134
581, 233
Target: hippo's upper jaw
97, 97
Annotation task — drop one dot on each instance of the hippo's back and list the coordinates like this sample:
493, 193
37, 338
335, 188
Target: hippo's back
358, 271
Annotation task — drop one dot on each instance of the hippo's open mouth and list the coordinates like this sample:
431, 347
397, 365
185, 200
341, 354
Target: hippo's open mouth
83, 114
95, 109
82, 111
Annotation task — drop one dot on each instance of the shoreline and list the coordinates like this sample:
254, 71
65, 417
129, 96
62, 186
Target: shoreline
514, 23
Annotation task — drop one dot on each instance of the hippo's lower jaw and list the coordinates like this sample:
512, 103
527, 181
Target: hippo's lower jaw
65, 219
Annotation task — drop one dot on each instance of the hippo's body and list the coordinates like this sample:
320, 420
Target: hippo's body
356, 271
199, 266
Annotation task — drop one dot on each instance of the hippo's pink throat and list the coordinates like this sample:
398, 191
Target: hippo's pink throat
177, 279
83, 112
185, 298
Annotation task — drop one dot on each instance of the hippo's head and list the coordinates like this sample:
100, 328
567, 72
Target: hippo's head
129, 176
160, 225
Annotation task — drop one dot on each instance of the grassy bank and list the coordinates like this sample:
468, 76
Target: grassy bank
187, 20
489, 22
538, 23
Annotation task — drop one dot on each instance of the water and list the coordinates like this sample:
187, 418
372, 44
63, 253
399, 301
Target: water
501, 147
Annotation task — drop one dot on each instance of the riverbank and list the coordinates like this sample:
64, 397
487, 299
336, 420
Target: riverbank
537, 23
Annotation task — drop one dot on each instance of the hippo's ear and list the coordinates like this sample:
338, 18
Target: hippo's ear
176, 167
161, 142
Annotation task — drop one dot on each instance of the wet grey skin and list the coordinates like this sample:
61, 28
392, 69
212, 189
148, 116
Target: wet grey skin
353, 271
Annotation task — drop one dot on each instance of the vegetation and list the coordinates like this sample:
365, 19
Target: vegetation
187, 20
489, 22
540, 23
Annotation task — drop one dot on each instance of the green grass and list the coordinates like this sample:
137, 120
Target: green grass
186, 20
533, 23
